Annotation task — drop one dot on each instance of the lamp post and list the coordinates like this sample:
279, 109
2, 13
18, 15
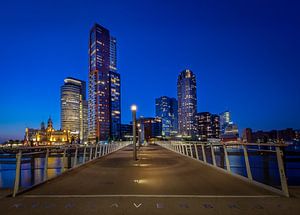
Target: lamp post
133, 110
139, 134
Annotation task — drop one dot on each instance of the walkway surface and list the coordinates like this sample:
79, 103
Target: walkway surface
160, 182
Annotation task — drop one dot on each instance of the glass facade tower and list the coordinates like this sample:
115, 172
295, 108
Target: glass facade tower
104, 115
225, 120
74, 108
167, 109
187, 103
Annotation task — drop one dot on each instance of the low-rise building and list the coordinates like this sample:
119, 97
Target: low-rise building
149, 128
207, 126
48, 136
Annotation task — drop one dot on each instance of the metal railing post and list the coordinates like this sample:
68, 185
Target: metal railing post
75, 157
46, 165
248, 169
18, 173
284, 186
185, 150
91, 151
196, 152
226, 158
84, 152
213, 154
95, 155
64, 159
101, 150
203, 153
191, 150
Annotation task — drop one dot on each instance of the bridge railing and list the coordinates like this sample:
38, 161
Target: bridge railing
200, 151
80, 154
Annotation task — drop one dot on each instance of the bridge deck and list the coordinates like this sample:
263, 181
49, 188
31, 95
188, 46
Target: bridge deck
160, 182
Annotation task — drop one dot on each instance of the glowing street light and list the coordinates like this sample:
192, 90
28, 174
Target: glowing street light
133, 110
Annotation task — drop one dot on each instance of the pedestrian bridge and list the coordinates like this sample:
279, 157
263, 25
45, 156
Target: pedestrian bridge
167, 178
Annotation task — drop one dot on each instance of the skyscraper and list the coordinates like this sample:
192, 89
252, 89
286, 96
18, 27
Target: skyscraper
167, 109
74, 108
187, 102
104, 118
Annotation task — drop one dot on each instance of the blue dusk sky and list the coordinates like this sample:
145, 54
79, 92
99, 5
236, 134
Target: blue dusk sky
245, 54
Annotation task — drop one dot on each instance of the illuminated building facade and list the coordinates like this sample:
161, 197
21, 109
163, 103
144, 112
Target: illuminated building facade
207, 125
187, 103
126, 131
74, 108
115, 105
225, 120
104, 115
167, 109
231, 133
47, 136
149, 128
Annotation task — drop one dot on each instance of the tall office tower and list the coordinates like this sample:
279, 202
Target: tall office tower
224, 120
74, 108
104, 117
167, 109
187, 103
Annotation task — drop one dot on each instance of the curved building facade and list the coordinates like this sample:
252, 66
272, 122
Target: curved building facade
74, 108
187, 103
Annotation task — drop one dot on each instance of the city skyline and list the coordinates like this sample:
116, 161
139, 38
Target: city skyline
266, 99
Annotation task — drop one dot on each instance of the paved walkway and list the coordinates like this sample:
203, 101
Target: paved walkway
160, 182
